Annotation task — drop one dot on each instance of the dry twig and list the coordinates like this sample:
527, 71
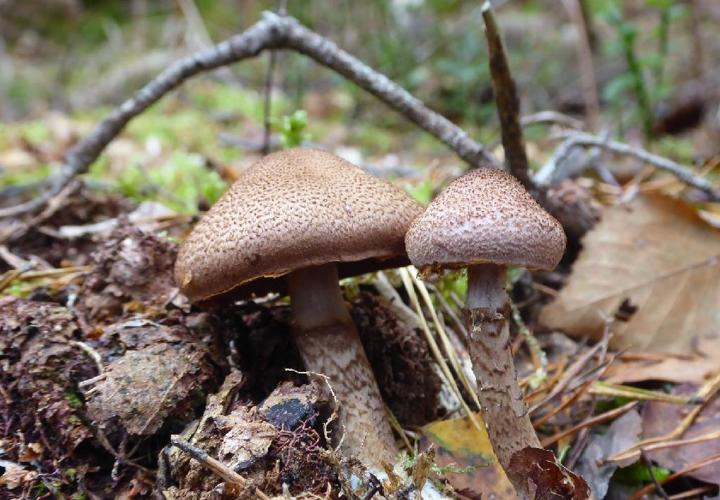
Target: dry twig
706, 394
685, 174
591, 422
221, 470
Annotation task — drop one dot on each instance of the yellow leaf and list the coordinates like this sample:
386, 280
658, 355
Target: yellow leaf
460, 443
654, 265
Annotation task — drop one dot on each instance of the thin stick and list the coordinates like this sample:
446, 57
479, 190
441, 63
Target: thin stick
685, 174
596, 420
221, 470
506, 101
582, 390
271, 32
709, 436
540, 375
648, 465
550, 116
706, 394
694, 492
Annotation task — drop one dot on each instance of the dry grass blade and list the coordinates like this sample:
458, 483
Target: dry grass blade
685, 470
623, 391
447, 375
571, 373
705, 393
447, 345
541, 373
596, 420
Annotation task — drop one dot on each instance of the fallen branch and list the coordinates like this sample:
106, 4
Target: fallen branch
685, 174
271, 32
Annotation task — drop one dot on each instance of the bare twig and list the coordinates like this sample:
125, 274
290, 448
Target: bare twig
221, 470
94, 355
540, 375
506, 101
550, 116
596, 420
271, 32
685, 174
706, 393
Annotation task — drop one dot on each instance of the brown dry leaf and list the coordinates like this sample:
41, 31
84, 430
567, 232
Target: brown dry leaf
654, 265
15, 475
546, 477
661, 418
692, 369
460, 443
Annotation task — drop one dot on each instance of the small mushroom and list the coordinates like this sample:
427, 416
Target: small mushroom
486, 221
295, 221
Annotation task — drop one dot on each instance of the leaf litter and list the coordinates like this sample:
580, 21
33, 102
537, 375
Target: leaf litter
218, 379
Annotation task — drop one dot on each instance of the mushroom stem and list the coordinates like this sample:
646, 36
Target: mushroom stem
508, 424
329, 344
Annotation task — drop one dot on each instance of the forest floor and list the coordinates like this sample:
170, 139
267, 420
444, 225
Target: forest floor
102, 359
112, 385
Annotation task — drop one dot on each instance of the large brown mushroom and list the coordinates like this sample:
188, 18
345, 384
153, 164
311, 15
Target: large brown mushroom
299, 216
486, 221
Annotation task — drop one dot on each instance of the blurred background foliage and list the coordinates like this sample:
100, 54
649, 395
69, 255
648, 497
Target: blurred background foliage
80, 57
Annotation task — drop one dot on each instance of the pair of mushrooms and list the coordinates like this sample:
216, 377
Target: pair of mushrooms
300, 219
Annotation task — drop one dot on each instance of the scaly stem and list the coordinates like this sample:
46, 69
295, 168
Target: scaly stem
503, 410
329, 344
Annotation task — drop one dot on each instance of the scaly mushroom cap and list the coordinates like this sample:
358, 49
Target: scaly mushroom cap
294, 209
485, 216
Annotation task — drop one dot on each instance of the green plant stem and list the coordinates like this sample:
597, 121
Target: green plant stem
639, 87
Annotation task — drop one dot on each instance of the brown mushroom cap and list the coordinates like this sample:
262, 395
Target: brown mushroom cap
485, 216
293, 209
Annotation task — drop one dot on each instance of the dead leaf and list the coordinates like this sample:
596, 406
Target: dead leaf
460, 443
246, 440
685, 369
654, 265
546, 477
661, 418
15, 475
620, 435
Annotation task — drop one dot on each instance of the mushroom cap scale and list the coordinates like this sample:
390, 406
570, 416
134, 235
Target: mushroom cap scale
485, 216
294, 209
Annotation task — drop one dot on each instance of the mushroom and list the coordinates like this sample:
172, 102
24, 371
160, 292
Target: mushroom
295, 221
486, 221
